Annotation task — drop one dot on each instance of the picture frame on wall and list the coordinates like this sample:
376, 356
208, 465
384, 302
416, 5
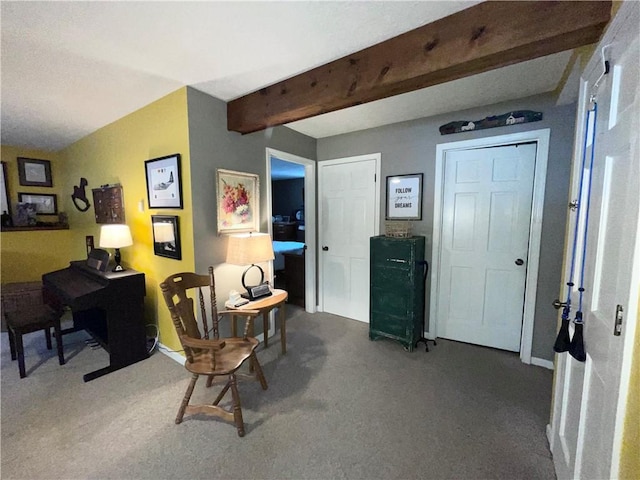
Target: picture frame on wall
404, 197
238, 202
166, 236
164, 185
5, 203
34, 173
46, 204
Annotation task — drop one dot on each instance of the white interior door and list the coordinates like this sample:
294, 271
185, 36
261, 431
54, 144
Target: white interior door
486, 214
348, 218
590, 398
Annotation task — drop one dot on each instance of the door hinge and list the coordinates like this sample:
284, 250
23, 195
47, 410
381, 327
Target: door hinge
375, 177
617, 326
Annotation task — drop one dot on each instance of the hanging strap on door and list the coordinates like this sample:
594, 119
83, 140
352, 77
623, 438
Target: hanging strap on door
576, 349
563, 340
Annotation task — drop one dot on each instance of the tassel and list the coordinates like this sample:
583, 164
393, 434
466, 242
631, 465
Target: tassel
576, 349
563, 340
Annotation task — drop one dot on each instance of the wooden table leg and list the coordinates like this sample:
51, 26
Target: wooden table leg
265, 327
234, 326
283, 328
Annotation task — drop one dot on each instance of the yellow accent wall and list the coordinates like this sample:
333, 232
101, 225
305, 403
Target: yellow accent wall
116, 154
25, 256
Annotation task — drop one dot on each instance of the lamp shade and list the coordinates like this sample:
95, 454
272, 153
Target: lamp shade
115, 236
249, 248
163, 232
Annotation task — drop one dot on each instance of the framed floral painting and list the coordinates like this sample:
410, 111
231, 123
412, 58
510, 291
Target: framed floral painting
238, 197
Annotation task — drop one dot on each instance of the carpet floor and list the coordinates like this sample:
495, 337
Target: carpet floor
339, 406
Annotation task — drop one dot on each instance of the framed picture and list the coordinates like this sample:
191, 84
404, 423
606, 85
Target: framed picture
5, 205
45, 204
164, 186
166, 236
34, 173
404, 197
238, 198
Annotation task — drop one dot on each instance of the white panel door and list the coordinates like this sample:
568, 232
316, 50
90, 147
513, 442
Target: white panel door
486, 216
348, 211
590, 398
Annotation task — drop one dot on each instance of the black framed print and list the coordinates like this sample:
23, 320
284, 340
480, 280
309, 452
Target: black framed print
404, 197
164, 185
166, 236
34, 173
5, 204
45, 204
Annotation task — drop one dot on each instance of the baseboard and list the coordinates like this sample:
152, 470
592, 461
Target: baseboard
170, 353
540, 362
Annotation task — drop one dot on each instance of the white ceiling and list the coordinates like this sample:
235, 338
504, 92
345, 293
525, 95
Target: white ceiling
69, 68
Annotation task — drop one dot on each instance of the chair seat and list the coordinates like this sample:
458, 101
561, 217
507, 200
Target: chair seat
236, 351
31, 318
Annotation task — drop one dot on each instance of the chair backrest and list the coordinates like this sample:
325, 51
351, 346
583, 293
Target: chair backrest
176, 290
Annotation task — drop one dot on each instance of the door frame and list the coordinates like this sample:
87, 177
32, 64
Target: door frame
376, 214
309, 220
541, 137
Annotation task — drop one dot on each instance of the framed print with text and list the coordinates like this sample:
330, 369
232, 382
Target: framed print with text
164, 185
404, 197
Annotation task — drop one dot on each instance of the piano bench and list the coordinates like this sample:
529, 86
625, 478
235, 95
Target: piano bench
32, 319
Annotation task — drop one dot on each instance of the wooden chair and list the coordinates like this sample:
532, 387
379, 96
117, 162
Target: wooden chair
28, 316
210, 356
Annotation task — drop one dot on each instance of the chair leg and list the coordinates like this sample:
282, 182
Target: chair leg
258, 368
12, 344
187, 397
47, 336
58, 334
222, 393
20, 352
237, 409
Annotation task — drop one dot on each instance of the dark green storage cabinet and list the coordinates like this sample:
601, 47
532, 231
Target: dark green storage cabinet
397, 289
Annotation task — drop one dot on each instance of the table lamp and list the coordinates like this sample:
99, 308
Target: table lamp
249, 249
115, 236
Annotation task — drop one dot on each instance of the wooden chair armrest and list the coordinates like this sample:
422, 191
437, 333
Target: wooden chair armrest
203, 343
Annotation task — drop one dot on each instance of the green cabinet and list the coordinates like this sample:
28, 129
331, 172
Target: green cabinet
397, 289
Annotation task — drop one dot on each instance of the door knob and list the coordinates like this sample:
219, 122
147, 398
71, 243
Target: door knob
557, 304
325, 248
519, 262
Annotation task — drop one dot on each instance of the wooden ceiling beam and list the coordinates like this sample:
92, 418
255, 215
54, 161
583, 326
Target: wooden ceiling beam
486, 36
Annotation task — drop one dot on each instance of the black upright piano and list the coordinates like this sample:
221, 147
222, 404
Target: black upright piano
108, 305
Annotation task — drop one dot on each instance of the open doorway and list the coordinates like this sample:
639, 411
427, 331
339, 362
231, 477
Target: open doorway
291, 200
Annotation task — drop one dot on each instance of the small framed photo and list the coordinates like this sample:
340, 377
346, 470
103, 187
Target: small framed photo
166, 236
164, 185
45, 204
34, 173
238, 198
5, 204
404, 197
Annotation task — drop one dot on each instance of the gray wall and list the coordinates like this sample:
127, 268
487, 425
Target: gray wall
212, 146
410, 147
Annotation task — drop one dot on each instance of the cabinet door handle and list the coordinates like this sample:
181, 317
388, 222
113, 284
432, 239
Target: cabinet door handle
519, 262
325, 248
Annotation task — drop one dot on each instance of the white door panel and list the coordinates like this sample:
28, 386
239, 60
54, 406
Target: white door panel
612, 254
348, 219
486, 216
